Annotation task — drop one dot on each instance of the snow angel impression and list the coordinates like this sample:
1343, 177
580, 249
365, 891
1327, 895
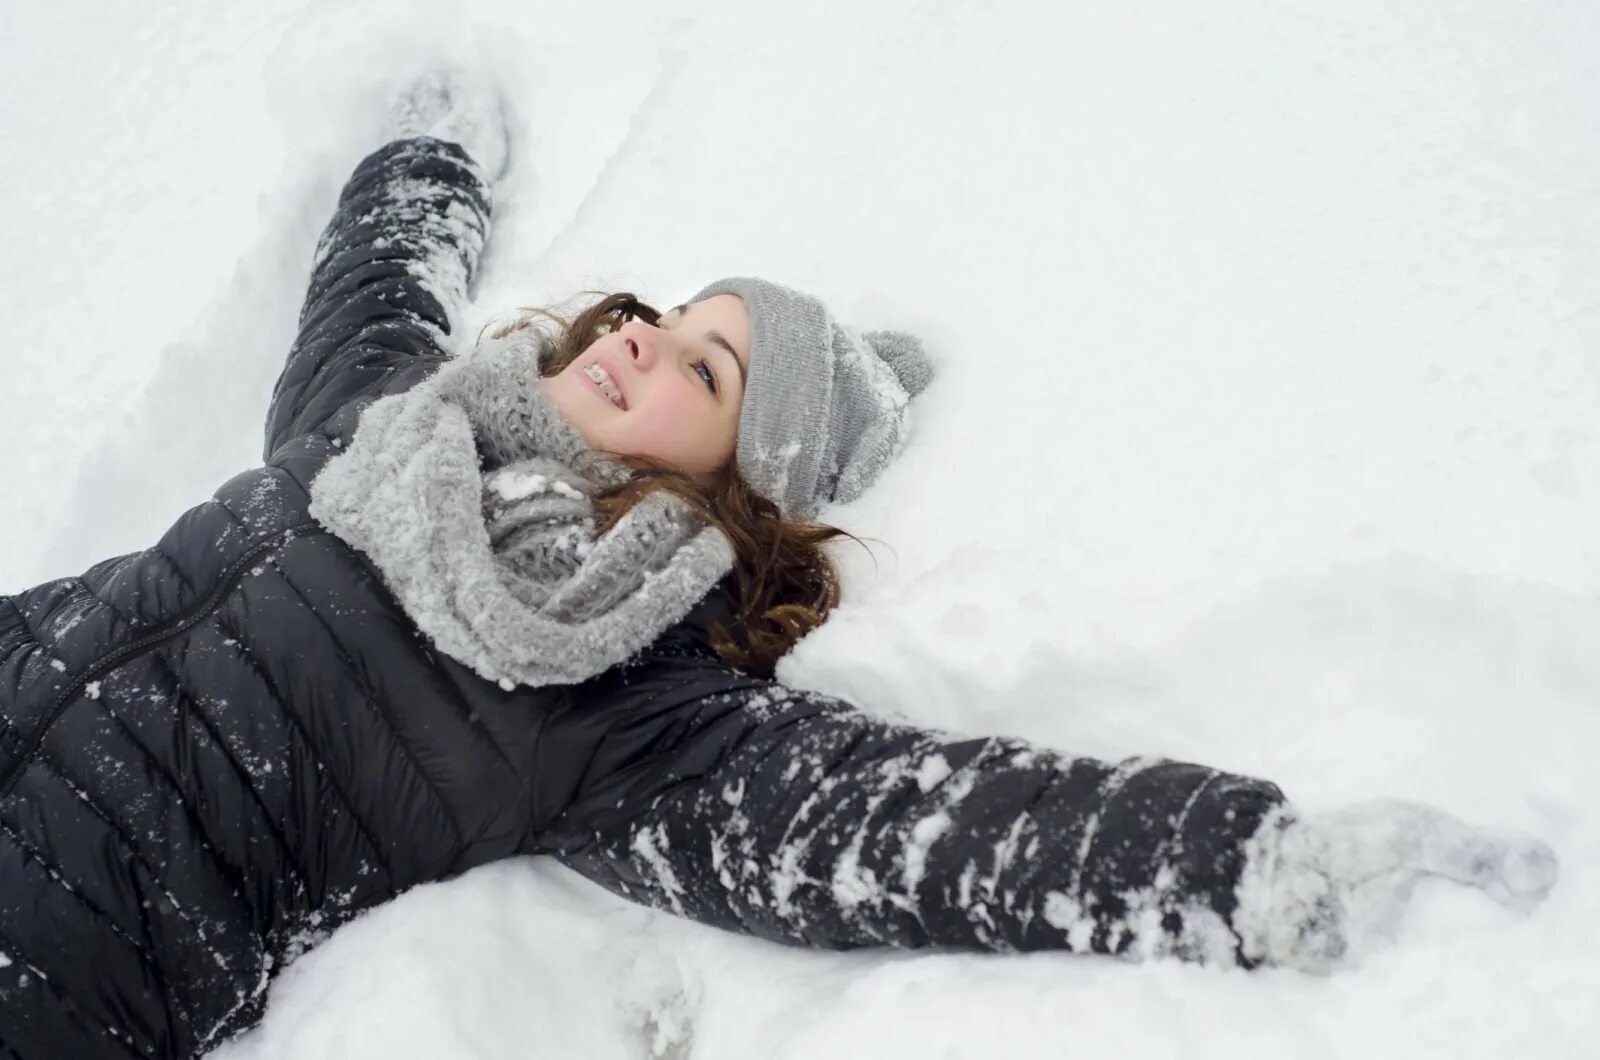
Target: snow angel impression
529, 601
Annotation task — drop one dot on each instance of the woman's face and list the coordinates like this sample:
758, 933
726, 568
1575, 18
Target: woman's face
671, 391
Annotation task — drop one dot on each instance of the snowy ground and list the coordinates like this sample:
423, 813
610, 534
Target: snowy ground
1266, 436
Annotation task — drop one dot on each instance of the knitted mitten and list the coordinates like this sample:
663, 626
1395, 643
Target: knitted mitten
1320, 889
458, 106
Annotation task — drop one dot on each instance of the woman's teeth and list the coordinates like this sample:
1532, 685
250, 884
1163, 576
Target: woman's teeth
603, 381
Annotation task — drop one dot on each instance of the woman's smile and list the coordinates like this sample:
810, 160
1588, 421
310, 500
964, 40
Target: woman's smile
605, 382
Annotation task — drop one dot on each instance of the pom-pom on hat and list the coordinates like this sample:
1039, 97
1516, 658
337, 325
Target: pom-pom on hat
825, 407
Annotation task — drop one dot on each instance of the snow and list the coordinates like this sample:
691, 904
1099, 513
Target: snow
515, 485
924, 834
518, 485
932, 772
1263, 435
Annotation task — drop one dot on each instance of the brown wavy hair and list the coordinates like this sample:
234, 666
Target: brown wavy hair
787, 582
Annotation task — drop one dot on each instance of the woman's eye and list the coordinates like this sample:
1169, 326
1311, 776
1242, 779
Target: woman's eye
707, 374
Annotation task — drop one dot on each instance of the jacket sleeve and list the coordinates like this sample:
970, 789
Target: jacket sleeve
795, 817
391, 268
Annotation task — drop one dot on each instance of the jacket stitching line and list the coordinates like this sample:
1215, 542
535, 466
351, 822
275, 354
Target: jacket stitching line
169, 1001
49, 984
477, 724
188, 586
835, 763
140, 644
235, 875
97, 591
298, 727
1024, 878
1173, 845
55, 875
747, 736
368, 695
1023, 871
203, 719
130, 624
567, 821
35, 625
39, 642
82, 795
252, 533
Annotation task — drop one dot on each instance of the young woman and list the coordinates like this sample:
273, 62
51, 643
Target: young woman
528, 600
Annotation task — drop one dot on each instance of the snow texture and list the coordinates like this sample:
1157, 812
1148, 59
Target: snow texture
1264, 435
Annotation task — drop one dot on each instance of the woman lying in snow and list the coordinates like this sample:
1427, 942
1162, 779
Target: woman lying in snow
440, 628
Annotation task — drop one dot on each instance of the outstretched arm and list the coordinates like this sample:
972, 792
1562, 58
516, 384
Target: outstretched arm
395, 262
795, 817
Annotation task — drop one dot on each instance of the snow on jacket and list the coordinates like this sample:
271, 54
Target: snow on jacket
215, 751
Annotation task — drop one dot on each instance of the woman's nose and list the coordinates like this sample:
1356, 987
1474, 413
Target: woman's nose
644, 347
639, 352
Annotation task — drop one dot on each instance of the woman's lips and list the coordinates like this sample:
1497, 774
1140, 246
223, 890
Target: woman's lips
605, 383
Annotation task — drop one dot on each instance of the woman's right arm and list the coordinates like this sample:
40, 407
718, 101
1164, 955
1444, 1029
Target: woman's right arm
392, 264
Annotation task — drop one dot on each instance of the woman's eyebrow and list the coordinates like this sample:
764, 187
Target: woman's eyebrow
718, 338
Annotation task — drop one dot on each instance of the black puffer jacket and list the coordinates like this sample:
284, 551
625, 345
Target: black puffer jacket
214, 751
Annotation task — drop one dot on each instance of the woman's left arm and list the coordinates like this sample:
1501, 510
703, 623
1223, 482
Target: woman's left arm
795, 817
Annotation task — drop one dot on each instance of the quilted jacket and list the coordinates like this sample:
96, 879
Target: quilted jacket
216, 750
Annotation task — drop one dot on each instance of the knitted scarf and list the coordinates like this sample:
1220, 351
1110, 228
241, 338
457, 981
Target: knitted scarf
471, 496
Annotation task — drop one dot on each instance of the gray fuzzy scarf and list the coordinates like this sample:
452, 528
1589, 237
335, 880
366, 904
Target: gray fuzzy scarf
471, 495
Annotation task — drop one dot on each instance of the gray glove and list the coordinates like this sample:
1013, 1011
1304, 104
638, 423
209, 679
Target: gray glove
1323, 889
460, 107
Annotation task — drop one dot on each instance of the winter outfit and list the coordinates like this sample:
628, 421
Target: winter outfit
215, 751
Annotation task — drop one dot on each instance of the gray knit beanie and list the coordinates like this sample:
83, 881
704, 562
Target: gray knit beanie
824, 406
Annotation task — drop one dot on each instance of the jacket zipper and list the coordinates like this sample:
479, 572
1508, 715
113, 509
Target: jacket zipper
117, 656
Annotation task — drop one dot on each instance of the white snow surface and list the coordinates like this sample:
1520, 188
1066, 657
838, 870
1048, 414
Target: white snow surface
1265, 435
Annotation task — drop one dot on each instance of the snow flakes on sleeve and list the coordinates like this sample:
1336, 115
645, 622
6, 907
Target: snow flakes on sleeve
826, 827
